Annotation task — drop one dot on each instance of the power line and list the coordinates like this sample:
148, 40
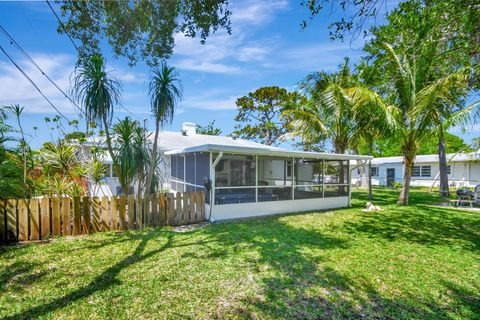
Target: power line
33, 83
63, 27
79, 52
29, 58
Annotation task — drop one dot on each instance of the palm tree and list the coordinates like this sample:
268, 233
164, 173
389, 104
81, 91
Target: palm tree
329, 112
97, 92
419, 107
341, 109
165, 90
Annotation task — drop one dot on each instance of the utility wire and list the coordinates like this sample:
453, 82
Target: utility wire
29, 58
33, 83
79, 52
63, 27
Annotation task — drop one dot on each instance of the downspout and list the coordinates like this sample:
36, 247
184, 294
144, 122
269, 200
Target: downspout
212, 190
349, 179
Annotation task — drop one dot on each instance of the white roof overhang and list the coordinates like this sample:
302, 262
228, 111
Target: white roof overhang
267, 152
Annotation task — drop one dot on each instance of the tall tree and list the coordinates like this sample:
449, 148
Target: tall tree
141, 30
418, 106
418, 30
165, 91
98, 93
259, 114
340, 110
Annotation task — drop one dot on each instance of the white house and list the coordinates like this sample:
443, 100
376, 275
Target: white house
463, 170
242, 178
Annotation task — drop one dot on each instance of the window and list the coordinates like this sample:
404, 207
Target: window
274, 179
449, 170
421, 171
374, 171
426, 171
274, 171
234, 171
416, 171
309, 172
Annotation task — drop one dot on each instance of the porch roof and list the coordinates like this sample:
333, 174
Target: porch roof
267, 151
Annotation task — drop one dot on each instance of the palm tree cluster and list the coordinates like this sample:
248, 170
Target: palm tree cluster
343, 109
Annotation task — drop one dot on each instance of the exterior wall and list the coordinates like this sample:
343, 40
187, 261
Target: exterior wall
255, 209
466, 173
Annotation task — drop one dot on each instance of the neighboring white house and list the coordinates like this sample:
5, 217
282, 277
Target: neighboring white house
242, 178
463, 170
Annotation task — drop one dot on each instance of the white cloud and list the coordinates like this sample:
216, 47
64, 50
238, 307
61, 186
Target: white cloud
256, 12
15, 88
222, 52
215, 99
205, 66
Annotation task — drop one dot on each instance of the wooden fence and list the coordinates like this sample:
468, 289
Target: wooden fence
38, 219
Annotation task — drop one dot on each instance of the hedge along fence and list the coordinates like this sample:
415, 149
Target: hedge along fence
39, 219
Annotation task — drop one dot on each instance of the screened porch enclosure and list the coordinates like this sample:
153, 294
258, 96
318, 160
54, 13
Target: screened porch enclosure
241, 178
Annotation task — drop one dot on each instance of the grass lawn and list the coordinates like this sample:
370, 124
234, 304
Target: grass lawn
404, 262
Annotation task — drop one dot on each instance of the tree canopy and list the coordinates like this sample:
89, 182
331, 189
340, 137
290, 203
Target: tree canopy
141, 30
259, 114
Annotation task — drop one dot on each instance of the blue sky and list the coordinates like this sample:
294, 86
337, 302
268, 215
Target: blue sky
266, 47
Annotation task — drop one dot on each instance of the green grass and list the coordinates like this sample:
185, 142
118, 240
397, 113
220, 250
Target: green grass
418, 262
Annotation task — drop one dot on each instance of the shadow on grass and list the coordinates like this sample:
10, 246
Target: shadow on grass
106, 279
420, 224
301, 286
20, 275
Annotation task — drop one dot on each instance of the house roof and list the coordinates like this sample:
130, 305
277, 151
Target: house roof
266, 151
429, 158
172, 142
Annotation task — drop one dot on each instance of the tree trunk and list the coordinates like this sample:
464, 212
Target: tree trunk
407, 176
442, 159
153, 160
370, 192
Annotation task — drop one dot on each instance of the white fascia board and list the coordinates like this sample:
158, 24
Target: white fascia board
268, 152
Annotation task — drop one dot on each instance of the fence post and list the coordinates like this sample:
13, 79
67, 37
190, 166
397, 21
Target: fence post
139, 212
55, 216
96, 214
22, 220
178, 209
170, 208
77, 216
146, 210
186, 208
66, 216
12, 220
121, 211
154, 215
35, 218
86, 215
114, 213
131, 212
45, 218
105, 214
162, 209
